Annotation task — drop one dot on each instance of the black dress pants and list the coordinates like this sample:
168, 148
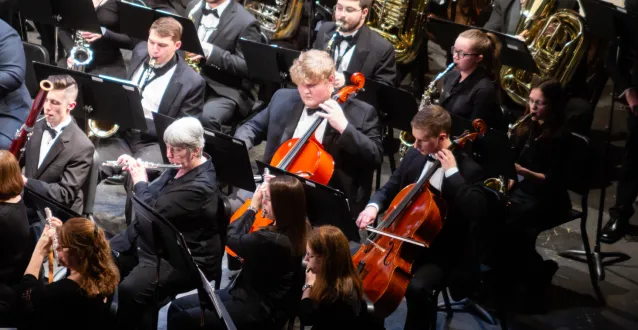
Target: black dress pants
419, 296
627, 190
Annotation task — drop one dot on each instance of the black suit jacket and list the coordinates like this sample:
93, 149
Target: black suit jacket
356, 152
184, 95
500, 12
225, 70
475, 97
65, 168
455, 248
373, 56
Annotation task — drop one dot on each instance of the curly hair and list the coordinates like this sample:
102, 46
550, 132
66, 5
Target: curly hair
91, 255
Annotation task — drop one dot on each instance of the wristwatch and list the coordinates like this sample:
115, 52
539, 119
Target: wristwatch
306, 286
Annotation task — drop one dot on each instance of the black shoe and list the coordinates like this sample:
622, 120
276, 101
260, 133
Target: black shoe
614, 230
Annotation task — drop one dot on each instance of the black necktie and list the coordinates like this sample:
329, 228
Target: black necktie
206, 11
51, 131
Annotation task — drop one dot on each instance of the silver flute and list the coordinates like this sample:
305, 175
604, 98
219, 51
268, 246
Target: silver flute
114, 163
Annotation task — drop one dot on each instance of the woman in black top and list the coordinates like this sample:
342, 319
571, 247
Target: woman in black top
471, 90
107, 57
333, 294
80, 300
259, 297
15, 245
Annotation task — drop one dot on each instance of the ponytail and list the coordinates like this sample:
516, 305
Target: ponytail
488, 45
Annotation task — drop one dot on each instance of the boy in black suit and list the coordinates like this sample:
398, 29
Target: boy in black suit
452, 254
356, 48
351, 133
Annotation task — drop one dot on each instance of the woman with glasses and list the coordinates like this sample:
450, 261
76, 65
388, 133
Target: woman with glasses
263, 293
539, 196
80, 300
472, 91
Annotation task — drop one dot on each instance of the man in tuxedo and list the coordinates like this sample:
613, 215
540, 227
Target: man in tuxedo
170, 88
14, 96
505, 16
58, 156
452, 254
355, 47
230, 94
350, 133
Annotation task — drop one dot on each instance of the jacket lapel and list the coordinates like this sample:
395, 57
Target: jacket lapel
173, 88
360, 51
226, 16
33, 155
136, 61
294, 116
195, 14
55, 150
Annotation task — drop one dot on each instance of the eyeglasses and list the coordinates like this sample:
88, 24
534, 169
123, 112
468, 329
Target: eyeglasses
537, 103
461, 54
348, 10
311, 256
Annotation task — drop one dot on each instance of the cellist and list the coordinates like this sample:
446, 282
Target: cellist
449, 259
351, 133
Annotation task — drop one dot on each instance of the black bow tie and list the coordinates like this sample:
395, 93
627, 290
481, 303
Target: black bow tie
51, 131
312, 111
341, 38
430, 158
206, 11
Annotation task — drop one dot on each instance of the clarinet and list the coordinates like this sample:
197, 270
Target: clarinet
147, 73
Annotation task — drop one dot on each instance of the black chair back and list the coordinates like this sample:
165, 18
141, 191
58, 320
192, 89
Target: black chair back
578, 164
37, 53
89, 188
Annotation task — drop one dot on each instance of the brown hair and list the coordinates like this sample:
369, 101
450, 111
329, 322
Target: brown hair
488, 45
11, 184
553, 94
312, 66
168, 27
337, 277
66, 83
91, 253
433, 119
365, 4
288, 201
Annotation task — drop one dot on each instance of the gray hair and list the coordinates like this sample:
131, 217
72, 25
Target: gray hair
186, 133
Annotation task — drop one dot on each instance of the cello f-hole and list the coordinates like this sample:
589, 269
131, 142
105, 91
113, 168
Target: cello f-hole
390, 248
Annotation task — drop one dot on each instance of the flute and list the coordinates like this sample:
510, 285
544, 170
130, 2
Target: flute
53, 255
114, 163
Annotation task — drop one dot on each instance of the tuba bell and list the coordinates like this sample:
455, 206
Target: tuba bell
81, 53
556, 41
279, 21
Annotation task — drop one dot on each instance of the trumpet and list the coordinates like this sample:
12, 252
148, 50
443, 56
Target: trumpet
114, 163
512, 127
81, 53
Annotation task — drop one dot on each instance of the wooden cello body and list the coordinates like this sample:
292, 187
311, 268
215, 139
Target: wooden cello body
412, 222
304, 156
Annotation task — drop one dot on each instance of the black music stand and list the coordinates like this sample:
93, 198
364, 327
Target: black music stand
228, 154
136, 21
39, 202
268, 63
169, 244
514, 52
102, 97
324, 205
68, 14
606, 21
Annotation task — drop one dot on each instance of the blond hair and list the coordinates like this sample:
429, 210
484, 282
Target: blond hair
168, 27
488, 45
312, 66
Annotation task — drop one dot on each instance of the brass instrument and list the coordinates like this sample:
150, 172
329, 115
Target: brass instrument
556, 41
114, 163
331, 42
430, 96
498, 186
81, 53
402, 23
189, 59
512, 127
279, 21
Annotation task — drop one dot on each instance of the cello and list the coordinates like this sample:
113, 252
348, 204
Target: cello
413, 220
304, 156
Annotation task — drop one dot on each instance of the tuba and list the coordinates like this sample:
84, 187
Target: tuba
81, 53
556, 41
402, 23
279, 21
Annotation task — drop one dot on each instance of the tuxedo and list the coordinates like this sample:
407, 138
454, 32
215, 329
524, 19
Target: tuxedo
453, 253
504, 17
356, 152
65, 169
373, 55
225, 69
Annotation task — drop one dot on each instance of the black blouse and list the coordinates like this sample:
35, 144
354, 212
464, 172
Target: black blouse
62, 303
338, 314
15, 244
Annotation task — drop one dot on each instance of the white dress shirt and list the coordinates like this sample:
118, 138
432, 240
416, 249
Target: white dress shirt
48, 140
154, 91
305, 121
208, 25
341, 49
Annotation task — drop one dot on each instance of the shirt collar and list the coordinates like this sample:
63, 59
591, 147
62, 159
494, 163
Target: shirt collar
61, 125
220, 8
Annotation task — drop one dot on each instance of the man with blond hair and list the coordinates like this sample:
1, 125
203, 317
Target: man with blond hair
350, 132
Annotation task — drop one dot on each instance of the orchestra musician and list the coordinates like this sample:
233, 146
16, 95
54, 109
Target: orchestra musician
505, 16
58, 156
471, 90
169, 87
188, 198
356, 48
14, 96
264, 293
230, 95
452, 254
351, 135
